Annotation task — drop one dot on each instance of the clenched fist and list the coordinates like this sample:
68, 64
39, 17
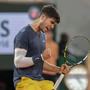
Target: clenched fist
64, 69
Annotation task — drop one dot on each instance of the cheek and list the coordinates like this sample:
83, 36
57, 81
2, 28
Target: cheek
45, 24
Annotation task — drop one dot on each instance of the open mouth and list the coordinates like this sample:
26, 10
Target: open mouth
47, 28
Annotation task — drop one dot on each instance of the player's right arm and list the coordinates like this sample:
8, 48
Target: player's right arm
21, 47
21, 42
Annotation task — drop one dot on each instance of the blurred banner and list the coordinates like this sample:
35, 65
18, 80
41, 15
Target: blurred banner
10, 24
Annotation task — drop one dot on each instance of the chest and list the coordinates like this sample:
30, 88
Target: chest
37, 44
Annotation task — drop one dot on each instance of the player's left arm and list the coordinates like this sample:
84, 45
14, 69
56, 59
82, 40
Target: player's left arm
53, 68
52, 60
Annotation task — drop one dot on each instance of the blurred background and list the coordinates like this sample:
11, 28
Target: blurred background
75, 20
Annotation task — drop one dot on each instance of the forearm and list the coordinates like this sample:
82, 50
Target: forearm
51, 67
49, 72
58, 70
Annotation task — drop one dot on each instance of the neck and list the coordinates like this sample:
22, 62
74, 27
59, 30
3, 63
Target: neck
36, 25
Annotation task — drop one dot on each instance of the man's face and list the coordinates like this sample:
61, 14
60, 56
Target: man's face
48, 24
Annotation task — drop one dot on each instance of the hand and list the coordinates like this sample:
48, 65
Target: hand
46, 54
64, 69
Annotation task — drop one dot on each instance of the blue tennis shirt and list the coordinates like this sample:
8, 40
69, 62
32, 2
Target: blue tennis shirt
34, 43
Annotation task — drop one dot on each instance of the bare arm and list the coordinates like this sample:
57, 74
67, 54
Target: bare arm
50, 67
49, 72
55, 69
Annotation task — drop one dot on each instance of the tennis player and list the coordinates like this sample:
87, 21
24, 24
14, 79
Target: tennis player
29, 55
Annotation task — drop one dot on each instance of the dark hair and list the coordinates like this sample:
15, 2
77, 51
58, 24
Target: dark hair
51, 11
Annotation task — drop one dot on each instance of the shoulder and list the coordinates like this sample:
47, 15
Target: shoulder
21, 39
26, 29
24, 32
